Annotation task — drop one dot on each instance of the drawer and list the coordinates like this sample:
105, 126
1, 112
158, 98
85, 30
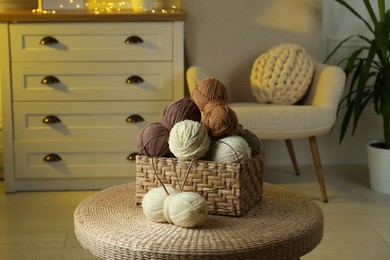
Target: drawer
97, 121
78, 160
124, 41
92, 81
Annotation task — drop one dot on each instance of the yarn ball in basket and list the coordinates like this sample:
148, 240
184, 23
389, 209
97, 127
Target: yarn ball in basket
189, 140
282, 75
180, 110
209, 89
219, 119
253, 141
152, 140
185, 209
230, 149
153, 203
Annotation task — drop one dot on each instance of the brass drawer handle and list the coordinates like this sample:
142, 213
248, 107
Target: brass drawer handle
134, 79
48, 41
135, 119
132, 156
134, 39
51, 120
50, 80
52, 157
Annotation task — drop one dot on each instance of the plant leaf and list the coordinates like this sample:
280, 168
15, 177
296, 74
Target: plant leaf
363, 77
346, 5
370, 11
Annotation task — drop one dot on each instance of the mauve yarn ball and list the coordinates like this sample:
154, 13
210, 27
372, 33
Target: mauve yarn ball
180, 110
219, 119
252, 140
153, 140
207, 90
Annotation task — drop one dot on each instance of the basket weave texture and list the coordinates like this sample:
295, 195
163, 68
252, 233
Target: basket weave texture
230, 189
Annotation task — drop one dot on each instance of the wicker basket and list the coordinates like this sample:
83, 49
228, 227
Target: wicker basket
230, 189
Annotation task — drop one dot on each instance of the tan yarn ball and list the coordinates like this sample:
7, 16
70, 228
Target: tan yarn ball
207, 90
282, 75
186, 209
219, 119
153, 203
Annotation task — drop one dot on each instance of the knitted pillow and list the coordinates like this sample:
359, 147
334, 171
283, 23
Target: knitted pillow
282, 75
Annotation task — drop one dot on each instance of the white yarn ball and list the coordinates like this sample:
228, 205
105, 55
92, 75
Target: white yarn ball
186, 209
282, 75
230, 149
153, 202
189, 140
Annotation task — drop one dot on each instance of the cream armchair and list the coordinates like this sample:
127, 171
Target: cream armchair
315, 116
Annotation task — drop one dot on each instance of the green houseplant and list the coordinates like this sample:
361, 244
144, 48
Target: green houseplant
368, 70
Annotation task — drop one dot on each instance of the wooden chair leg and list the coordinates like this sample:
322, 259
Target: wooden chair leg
291, 152
318, 167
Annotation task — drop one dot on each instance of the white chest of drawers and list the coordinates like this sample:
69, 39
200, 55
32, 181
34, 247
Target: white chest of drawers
75, 95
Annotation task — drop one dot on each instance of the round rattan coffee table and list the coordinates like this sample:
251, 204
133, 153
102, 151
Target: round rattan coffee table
284, 225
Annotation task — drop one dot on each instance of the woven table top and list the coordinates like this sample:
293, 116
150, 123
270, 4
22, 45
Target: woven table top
284, 225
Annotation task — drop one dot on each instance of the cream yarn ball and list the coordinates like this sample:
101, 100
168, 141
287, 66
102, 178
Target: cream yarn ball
189, 140
186, 209
153, 202
282, 75
230, 149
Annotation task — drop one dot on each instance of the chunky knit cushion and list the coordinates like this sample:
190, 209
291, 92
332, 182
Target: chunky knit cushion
282, 75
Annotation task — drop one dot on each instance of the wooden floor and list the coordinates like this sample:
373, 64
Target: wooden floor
39, 225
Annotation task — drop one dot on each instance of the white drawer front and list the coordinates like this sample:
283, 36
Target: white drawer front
91, 41
96, 121
78, 160
93, 81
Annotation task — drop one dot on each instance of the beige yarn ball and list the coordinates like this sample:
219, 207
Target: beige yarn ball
153, 202
282, 75
230, 149
186, 209
189, 140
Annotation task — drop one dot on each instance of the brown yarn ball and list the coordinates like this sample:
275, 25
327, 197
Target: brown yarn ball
153, 140
220, 119
180, 110
207, 90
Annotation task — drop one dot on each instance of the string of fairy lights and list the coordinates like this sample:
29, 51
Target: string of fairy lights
99, 6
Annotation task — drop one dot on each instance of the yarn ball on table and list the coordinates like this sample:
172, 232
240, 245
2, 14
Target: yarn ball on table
219, 119
152, 140
153, 203
180, 110
282, 75
186, 209
207, 90
230, 149
189, 140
